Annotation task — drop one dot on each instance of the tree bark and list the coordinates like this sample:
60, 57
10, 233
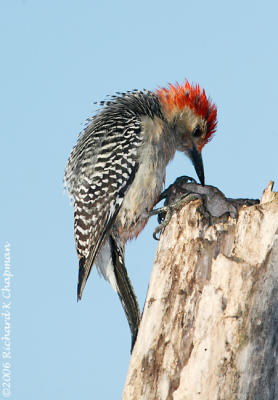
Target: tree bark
209, 329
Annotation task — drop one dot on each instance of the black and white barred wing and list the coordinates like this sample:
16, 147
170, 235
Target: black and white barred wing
100, 170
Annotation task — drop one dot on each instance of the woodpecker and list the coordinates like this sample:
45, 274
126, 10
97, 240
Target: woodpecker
116, 171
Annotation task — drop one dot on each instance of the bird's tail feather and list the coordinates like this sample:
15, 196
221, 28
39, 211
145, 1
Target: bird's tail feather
125, 291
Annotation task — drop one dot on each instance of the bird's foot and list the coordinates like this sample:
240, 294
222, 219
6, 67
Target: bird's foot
186, 189
165, 213
175, 190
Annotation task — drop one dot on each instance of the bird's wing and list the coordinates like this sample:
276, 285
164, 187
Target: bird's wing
98, 181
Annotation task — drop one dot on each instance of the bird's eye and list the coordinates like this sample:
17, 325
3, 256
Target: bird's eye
197, 132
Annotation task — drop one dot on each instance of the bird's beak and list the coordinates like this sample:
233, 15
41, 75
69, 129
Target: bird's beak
196, 158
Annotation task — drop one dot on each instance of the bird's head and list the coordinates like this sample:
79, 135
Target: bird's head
193, 119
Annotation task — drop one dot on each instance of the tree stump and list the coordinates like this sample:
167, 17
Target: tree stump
209, 329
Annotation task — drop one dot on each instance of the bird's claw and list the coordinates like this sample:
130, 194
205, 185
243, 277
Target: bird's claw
172, 190
165, 213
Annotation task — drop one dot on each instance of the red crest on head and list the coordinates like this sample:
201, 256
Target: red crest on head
180, 96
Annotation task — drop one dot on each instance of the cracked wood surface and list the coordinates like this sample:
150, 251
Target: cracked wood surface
209, 329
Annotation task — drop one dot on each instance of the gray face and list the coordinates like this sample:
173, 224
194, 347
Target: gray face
189, 129
190, 133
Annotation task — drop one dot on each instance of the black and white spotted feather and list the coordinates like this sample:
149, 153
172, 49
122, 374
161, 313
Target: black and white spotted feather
101, 168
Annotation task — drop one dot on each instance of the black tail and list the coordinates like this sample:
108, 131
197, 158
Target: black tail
82, 278
125, 291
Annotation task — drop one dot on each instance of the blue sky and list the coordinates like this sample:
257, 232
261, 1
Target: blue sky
57, 58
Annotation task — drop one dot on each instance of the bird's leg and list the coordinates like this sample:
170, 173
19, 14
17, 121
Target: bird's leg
165, 213
170, 194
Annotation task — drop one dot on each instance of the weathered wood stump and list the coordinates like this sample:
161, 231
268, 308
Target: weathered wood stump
209, 329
